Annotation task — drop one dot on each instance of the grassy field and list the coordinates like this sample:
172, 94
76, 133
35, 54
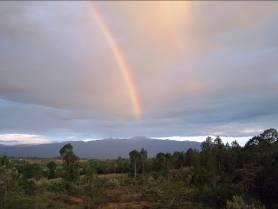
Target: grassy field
117, 193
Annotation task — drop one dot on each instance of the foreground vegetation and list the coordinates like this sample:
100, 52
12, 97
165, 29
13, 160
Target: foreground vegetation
217, 176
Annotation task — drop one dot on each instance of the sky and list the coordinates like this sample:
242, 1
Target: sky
179, 70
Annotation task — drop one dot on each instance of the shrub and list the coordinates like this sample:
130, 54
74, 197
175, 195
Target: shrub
237, 202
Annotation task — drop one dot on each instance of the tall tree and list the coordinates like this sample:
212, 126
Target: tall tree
219, 150
144, 157
235, 145
8, 184
207, 145
70, 163
134, 157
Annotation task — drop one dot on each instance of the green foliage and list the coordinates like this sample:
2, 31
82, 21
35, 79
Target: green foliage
134, 157
269, 136
70, 164
4, 161
17, 201
30, 170
238, 203
168, 193
28, 186
119, 165
217, 176
8, 184
52, 166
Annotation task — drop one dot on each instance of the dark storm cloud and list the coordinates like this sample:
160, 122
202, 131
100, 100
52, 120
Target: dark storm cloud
207, 71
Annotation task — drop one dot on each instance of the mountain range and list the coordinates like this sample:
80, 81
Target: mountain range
100, 149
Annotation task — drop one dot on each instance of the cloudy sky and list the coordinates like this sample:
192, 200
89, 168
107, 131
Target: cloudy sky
194, 69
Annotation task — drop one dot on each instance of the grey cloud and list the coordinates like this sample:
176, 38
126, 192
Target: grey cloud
212, 72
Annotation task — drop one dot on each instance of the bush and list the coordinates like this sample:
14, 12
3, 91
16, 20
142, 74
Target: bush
237, 202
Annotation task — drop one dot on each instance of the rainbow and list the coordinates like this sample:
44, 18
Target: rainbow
120, 59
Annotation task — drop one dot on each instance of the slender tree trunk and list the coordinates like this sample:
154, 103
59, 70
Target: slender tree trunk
5, 196
143, 168
135, 171
143, 171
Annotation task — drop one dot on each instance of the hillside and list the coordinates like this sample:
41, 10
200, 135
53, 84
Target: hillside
100, 149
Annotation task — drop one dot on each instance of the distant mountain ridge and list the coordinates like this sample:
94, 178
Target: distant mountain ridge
100, 149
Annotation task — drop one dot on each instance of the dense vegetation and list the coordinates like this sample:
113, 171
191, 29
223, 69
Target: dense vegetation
217, 176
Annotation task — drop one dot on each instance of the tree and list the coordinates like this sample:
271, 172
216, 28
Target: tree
269, 136
235, 144
191, 157
179, 159
8, 184
70, 163
159, 161
66, 149
143, 157
207, 154
51, 169
218, 142
168, 163
90, 187
207, 145
219, 150
134, 157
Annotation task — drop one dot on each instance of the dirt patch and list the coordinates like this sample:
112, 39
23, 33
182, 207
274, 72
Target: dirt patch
131, 197
70, 200
123, 198
125, 205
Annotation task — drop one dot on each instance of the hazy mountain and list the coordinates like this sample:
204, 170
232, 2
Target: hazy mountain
100, 149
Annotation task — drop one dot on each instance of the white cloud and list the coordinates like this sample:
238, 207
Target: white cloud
12, 139
240, 139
